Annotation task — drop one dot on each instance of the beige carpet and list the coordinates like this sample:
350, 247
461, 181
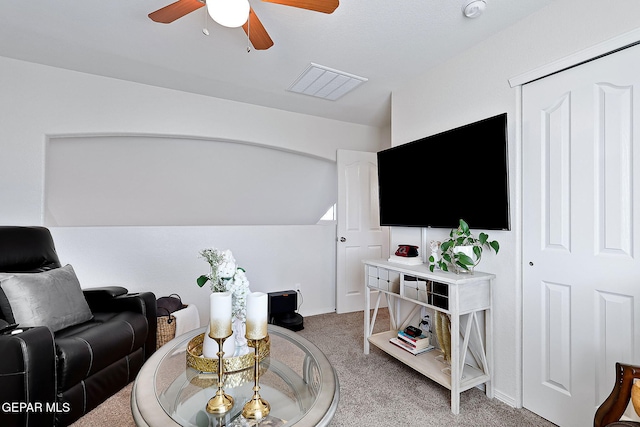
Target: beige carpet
375, 389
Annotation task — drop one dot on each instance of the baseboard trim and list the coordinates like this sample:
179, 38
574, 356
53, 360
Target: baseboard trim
504, 398
500, 396
325, 310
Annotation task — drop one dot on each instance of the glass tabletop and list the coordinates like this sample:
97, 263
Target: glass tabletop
296, 379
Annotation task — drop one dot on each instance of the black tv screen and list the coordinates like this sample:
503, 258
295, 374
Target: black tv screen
437, 180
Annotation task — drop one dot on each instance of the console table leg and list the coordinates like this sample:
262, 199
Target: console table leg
456, 373
367, 305
455, 402
488, 320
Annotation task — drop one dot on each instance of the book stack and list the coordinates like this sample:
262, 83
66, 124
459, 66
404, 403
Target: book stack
414, 345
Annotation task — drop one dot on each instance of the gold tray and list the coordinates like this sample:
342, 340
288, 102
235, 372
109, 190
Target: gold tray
196, 361
231, 379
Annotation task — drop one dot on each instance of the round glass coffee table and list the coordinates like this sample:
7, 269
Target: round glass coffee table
296, 379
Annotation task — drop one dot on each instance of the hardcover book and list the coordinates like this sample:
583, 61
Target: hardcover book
407, 347
420, 341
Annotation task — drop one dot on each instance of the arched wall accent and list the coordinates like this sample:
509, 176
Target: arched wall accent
144, 180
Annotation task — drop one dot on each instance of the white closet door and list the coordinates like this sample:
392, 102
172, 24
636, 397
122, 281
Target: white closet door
581, 189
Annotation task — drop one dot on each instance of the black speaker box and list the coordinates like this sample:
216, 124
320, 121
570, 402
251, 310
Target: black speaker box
282, 310
282, 302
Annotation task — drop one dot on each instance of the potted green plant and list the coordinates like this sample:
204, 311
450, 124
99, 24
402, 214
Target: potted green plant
462, 251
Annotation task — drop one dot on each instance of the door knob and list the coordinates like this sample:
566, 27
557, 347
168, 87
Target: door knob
343, 239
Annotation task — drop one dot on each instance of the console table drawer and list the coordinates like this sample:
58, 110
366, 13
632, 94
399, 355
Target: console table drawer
384, 279
426, 291
415, 288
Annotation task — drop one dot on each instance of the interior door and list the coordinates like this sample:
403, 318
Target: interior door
581, 187
360, 235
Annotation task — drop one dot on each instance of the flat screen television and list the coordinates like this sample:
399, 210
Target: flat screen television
435, 181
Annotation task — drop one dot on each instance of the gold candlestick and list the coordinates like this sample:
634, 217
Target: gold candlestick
257, 408
220, 330
221, 402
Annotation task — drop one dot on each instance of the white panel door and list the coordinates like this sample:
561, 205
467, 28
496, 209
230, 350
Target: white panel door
360, 235
581, 189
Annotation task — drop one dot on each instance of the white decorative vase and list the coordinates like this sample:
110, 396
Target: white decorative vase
234, 346
210, 346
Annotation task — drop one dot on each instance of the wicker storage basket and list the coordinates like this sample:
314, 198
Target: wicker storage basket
166, 330
166, 320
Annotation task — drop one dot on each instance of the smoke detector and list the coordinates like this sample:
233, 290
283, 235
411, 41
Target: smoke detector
474, 8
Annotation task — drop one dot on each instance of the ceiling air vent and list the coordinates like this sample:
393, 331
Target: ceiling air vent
324, 82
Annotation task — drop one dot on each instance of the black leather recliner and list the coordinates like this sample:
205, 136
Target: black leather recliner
53, 378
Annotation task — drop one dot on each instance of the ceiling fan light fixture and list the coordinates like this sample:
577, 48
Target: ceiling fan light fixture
229, 13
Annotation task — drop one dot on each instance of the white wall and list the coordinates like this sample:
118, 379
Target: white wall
182, 181
474, 85
37, 102
166, 259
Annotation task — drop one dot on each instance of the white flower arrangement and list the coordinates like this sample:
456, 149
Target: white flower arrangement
225, 276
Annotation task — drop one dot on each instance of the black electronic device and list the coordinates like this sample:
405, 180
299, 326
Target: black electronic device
464, 170
282, 308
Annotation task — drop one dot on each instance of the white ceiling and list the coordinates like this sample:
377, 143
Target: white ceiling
387, 41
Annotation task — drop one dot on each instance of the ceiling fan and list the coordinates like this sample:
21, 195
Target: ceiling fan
253, 27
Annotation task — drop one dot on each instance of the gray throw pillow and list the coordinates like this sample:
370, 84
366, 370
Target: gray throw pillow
52, 298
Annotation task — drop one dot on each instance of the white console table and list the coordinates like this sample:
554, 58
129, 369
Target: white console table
466, 298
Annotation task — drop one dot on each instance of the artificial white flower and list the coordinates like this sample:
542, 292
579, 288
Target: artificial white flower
225, 276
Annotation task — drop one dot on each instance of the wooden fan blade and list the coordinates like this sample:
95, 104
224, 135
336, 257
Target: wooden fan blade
257, 34
324, 6
176, 10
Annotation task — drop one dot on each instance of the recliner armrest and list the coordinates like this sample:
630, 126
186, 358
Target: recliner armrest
106, 291
104, 299
28, 375
100, 297
148, 304
110, 299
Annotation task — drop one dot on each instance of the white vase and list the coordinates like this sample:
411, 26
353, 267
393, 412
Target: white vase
234, 346
210, 346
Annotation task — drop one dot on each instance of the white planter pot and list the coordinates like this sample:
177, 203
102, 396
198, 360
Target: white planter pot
468, 251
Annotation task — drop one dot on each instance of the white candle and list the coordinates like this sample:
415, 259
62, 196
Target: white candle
256, 315
220, 314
